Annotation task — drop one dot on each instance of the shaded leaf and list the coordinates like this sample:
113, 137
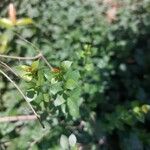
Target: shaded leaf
40, 80
31, 94
73, 108
72, 75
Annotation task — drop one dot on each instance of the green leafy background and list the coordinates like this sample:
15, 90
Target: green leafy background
100, 93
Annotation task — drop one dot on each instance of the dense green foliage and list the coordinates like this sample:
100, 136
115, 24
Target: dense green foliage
98, 91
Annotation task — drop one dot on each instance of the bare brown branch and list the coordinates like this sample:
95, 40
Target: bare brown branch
18, 118
21, 58
8, 67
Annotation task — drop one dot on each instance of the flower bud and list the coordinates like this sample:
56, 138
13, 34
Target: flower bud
12, 13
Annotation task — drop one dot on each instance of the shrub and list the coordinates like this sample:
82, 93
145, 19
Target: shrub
97, 89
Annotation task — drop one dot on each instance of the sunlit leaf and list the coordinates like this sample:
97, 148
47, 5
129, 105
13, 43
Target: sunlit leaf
24, 72
59, 100
24, 68
6, 23
145, 108
70, 84
66, 64
26, 77
35, 65
3, 43
136, 110
24, 21
56, 87
64, 143
72, 140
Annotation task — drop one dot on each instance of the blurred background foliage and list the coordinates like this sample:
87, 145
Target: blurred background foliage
108, 43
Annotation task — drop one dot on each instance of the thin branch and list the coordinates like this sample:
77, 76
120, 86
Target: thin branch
37, 116
35, 48
18, 118
22, 38
19, 91
47, 63
21, 58
9, 68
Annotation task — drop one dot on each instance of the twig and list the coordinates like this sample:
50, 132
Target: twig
9, 68
22, 38
18, 118
20, 91
21, 58
45, 60
35, 48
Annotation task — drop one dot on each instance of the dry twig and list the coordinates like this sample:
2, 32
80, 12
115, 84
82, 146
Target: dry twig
18, 118
22, 58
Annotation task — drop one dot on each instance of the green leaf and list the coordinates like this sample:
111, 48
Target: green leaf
3, 43
70, 84
59, 100
136, 110
40, 80
48, 75
66, 64
63, 108
55, 88
89, 67
26, 76
71, 78
72, 75
73, 108
145, 108
35, 65
64, 143
23, 67
6, 23
24, 21
72, 140
24, 72
75, 94
46, 97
